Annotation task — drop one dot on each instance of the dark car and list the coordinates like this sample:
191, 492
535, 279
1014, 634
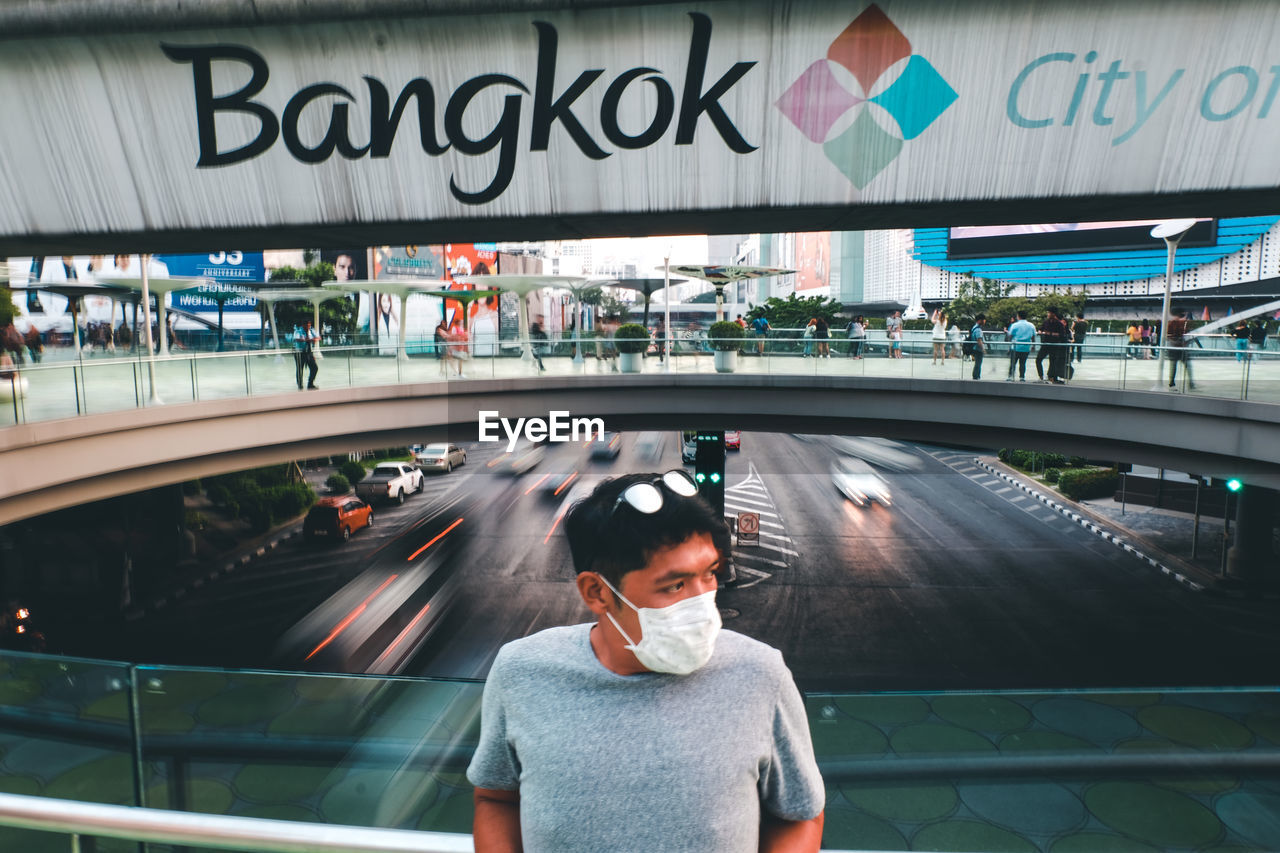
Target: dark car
336, 518
607, 447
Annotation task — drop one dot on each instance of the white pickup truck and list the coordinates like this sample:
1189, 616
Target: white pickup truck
390, 481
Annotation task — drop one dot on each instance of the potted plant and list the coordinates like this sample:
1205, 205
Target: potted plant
726, 339
632, 340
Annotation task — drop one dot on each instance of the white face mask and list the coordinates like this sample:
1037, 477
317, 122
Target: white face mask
678, 638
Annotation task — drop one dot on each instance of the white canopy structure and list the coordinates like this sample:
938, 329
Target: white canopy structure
522, 285
719, 276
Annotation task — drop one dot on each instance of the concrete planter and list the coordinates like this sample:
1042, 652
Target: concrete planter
630, 362
726, 361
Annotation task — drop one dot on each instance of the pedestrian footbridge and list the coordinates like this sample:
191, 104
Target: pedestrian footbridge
89, 429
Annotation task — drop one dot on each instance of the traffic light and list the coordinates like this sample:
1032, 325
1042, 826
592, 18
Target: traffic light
1234, 484
708, 467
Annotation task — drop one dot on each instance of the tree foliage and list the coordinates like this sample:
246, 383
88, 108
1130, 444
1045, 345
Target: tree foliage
337, 316
991, 297
614, 308
7, 309
976, 296
795, 313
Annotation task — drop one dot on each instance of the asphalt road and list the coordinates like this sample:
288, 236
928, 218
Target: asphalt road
962, 583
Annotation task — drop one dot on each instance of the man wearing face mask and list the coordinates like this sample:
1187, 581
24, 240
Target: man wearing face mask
651, 728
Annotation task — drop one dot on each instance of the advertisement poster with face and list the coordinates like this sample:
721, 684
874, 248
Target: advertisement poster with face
49, 311
473, 259
422, 313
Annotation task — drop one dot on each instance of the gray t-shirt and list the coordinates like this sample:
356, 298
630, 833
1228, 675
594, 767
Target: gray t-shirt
648, 762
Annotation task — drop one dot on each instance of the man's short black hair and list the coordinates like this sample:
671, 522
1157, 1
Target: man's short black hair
615, 543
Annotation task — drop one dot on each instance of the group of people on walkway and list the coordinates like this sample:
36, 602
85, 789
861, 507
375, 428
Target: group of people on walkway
1249, 338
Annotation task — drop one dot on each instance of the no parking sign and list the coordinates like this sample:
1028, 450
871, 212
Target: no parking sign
748, 528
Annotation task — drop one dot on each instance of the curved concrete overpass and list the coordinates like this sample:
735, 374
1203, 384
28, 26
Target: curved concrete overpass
55, 464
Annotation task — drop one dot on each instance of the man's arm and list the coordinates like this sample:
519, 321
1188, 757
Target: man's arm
497, 823
788, 836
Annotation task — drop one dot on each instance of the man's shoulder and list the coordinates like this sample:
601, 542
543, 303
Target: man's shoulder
543, 649
743, 655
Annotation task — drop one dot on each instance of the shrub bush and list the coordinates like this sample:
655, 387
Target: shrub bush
353, 471
1003, 454
631, 337
193, 520
1084, 483
337, 484
1020, 458
726, 336
1051, 460
289, 499
219, 494
1051, 475
1077, 462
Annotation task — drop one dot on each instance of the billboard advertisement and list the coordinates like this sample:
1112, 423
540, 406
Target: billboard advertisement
228, 271
813, 263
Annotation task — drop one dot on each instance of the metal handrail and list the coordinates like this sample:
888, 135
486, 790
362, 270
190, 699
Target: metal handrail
219, 832
223, 832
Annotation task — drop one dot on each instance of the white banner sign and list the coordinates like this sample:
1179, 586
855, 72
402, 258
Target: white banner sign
634, 110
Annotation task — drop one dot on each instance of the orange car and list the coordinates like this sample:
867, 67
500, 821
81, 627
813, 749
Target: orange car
336, 518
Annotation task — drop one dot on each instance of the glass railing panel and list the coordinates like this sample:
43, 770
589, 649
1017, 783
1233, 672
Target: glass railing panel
1262, 377
356, 750
65, 732
67, 388
112, 385
1088, 770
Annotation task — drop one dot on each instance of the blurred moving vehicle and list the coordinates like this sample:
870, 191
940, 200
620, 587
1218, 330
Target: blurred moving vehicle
336, 518
555, 484
523, 459
884, 452
384, 616
608, 447
440, 456
649, 446
859, 482
390, 481
732, 439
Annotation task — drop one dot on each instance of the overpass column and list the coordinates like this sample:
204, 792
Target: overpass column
1251, 558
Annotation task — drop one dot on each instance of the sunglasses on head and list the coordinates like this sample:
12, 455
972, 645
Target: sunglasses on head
647, 498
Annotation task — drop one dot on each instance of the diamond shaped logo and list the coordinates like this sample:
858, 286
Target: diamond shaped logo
817, 102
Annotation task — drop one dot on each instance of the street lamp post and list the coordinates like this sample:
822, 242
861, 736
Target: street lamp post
1172, 233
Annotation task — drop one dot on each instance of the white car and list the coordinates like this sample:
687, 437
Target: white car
440, 457
518, 462
859, 482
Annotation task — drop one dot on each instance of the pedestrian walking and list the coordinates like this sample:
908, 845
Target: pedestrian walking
304, 354
1021, 335
761, 327
810, 331
939, 338
857, 334
538, 342
1176, 341
893, 330
1053, 339
1257, 337
822, 333
1241, 335
979, 344
954, 337
1079, 329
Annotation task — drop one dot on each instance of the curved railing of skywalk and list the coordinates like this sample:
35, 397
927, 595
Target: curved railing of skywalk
62, 386
1034, 770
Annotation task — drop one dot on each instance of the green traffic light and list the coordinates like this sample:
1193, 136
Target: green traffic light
700, 476
715, 478
1234, 485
